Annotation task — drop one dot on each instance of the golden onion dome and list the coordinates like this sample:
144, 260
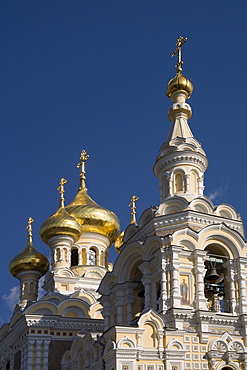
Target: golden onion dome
179, 83
92, 217
29, 259
60, 223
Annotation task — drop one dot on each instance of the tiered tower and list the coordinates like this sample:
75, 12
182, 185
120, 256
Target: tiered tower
28, 267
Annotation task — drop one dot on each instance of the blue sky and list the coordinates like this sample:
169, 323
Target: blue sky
92, 75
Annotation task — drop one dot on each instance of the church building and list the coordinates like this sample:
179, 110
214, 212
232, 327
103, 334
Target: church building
175, 298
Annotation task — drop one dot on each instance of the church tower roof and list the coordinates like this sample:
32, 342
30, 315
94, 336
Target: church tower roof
29, 259
60, 223
181, 162
92, 217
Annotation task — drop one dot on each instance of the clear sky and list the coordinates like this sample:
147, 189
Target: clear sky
92, 75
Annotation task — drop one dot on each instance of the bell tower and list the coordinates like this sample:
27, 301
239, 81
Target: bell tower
181, 162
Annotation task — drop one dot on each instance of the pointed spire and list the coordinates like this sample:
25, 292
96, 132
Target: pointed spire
133, 209
62, 191
84, 157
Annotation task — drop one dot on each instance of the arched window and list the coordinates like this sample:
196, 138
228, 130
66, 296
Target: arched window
193, 182
92, 257
138, 291
58, 254
74, 257
179, 183
215, 281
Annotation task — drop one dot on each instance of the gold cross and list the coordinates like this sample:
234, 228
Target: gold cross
133, 208
29, 226
61, 191
180, 41
84, 157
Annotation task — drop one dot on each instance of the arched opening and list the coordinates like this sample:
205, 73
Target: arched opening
215, 282
92, 256
193, 182
179, 183
74, 257
58, 254
165, 182
138, 291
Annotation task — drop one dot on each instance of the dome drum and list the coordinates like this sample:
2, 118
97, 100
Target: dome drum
164, 163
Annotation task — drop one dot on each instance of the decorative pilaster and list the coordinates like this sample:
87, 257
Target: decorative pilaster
38, 355
174, 271
146, 281
29, 355
241, 263
200, 271
46, 354
163, 283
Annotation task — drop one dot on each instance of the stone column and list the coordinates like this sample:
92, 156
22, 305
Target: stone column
230, 277
80, 256
187, 183
200, 271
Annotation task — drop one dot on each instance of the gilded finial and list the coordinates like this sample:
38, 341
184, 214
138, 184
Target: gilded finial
133, 209
180, 41
62, 191
84, 157
29, 228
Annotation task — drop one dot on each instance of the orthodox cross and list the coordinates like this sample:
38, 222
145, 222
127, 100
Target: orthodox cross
84, 157
133, 209
61, 191
180, 41
29, 226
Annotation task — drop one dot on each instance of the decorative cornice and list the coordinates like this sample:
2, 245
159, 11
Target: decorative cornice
183, 219
183, 157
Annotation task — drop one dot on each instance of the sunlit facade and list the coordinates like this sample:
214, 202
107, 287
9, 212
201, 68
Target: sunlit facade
175, 298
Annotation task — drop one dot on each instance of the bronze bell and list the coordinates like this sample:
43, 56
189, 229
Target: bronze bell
141, 293
212, 275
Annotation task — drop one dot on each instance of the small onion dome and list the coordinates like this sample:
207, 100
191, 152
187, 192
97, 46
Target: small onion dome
119, 241
92, 217
60, 223
179, 83
28, 260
